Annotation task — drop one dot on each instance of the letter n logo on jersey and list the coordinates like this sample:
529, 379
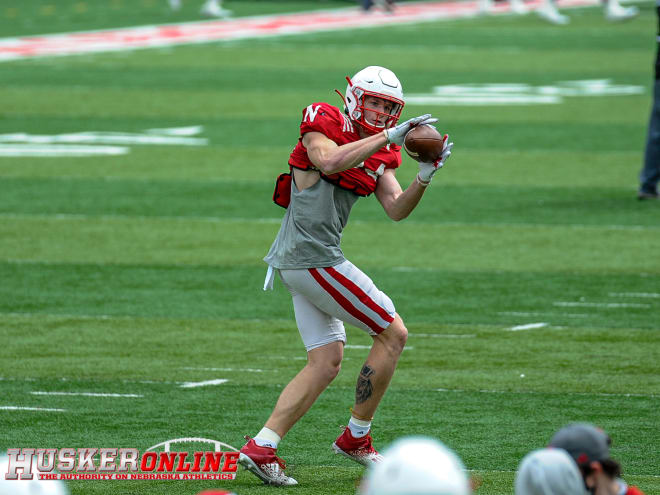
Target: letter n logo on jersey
310, 113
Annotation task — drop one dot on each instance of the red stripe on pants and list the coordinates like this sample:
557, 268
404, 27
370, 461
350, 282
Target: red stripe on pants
343, 302
360, 294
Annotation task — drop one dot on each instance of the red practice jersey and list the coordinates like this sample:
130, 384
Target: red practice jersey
336, 126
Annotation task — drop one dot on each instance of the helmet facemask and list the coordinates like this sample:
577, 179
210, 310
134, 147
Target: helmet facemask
359, 114
377, 82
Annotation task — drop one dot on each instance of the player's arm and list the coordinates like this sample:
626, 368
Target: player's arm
398, 204
330, 158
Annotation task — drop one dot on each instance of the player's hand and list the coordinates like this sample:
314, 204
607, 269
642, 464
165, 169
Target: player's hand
428, 170
397, 134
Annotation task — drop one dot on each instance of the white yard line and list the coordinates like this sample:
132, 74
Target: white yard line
126, 317
294, 358
86, 394
206, 383
242, 370
444, 335
66, 150
531, 392
649, 295
70, 216
484, 471
580, 304
21, 408
65, 315
266, 220
84, 139
528, 326
524, 313
355, 346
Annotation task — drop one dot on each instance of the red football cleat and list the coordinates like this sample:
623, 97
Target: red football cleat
360, 450
264, 464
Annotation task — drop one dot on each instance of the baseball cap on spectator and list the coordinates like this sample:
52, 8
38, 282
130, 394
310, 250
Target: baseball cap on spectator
584, 442
549, 472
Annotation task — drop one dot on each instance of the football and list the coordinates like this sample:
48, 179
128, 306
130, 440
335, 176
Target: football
424, 143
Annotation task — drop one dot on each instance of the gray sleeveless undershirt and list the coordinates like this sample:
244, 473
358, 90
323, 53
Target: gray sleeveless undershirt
311, 228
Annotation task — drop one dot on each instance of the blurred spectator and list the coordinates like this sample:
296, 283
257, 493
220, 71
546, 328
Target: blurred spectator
590, 448
387, 5
517, 6
620, 487
650, 174
549, 472
211, 8
614, 11
415, 466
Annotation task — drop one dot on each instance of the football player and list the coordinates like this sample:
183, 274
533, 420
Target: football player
340, 156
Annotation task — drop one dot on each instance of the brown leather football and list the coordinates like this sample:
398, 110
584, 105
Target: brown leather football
424, 143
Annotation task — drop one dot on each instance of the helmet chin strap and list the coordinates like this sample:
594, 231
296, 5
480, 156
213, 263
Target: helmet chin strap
375, 124
350, 83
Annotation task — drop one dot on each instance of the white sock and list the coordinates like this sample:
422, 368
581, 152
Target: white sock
359, 427
267, 438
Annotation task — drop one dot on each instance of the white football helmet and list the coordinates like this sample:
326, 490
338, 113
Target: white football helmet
417, 466
35, 486
381, 83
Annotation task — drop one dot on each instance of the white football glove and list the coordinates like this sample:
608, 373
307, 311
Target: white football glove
397, 134
428, 170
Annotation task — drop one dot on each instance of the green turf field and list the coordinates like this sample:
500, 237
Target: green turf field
132, 274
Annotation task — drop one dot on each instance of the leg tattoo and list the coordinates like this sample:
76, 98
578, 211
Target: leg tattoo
364, 386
